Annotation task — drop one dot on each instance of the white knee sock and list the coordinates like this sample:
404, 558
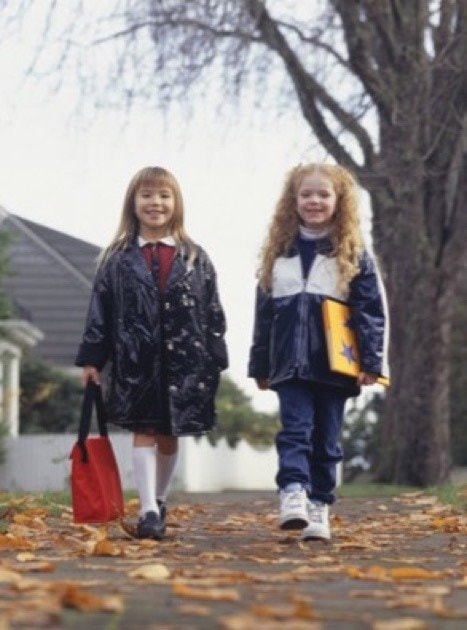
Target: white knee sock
165, 468
144, 470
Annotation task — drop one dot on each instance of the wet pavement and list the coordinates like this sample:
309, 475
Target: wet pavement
396, 563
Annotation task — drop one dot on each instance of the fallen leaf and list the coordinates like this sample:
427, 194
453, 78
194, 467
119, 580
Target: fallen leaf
404, 623
212, 594
74, 597
9, 577
195, 609
246, 621
106, 548
25, 556
40, 566
395, 574
357, 546
369, 573
414, 573
33, 522
300, 610
7, 541
151, 573
371, 594
128, 528
422, 602
210, 556
448, 524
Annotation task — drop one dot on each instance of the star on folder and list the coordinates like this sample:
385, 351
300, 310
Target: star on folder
348, 353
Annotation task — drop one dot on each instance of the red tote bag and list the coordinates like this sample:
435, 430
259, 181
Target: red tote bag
96, 490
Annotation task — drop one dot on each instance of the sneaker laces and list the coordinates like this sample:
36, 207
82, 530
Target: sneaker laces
295, 496
316, 512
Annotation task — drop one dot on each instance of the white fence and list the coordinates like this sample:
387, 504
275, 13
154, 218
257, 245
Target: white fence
38, 463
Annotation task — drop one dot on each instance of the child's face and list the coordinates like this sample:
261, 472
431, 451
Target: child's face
154, 209
316, 201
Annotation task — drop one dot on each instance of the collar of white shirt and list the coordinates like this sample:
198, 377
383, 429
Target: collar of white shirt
167, 240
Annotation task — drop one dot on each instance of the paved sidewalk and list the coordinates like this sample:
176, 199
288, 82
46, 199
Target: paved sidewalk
392, 564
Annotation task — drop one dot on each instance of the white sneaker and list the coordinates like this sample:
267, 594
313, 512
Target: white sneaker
318, 526
293, 510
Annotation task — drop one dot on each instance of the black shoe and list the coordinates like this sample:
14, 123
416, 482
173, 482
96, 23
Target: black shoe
163, 513
150, 526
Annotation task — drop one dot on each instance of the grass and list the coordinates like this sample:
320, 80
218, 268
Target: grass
56, 502
455, 495
452, 495
369, 490
53, 502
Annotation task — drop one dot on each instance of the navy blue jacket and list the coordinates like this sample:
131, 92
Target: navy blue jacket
289, 339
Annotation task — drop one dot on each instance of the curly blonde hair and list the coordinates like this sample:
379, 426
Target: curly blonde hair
345, 235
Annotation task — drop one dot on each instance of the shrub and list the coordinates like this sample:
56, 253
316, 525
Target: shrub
50, 401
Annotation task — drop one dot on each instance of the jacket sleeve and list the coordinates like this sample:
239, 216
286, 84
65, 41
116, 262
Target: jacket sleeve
258, 366
95, 346
215, 319
367, 301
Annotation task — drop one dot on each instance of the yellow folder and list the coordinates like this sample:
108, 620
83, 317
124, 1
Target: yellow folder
341, 340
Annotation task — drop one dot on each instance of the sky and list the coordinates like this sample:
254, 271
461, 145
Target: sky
65, 171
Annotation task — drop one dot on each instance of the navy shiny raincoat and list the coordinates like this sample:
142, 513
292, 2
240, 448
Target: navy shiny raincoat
289, 339
165, 353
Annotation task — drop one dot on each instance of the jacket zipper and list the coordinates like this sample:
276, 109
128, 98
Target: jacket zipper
301, 325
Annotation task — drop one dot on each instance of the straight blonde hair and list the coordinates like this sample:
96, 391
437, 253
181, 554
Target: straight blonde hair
128, 228
345, 234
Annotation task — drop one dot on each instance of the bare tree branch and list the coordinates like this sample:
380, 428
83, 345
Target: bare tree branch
309, 91
447, 116
380, 14
360, 55
442, 33
316, 41
167, 24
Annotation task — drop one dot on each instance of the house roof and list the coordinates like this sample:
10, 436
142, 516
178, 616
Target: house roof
49, 284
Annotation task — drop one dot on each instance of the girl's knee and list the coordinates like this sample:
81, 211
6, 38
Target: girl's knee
167, 444
143, 439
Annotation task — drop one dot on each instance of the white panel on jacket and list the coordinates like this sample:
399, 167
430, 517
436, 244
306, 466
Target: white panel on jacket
322, 279
286, 277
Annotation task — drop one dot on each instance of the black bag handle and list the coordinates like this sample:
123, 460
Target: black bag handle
92, 397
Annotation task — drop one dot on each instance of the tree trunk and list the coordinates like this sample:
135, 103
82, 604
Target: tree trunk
415, 436
414, 447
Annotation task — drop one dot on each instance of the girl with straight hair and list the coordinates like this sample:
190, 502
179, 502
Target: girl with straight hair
156, 320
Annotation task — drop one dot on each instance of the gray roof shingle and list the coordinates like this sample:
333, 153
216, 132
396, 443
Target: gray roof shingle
49, 284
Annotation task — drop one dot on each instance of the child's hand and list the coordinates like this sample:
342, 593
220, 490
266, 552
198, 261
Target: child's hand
366, 379
90, 373
262, 383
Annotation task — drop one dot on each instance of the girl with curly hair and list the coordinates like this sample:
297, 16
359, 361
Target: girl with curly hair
314, 250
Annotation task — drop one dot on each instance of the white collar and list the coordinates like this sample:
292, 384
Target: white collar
167, 240
310, 234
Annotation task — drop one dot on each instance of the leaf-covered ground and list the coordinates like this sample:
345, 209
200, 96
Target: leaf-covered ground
394, 563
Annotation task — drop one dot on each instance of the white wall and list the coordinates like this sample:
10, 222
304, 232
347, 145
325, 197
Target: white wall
37, 463
204, 468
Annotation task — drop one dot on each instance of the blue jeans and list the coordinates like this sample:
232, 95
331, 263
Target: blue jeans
308, 443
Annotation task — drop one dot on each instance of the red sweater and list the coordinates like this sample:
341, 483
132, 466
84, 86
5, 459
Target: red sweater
164, 255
